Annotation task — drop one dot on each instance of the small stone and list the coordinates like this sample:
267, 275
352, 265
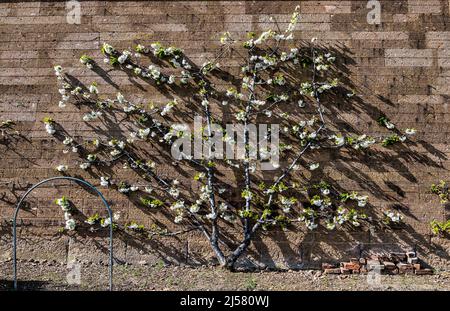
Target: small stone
351, 266
425, 271
143, 263
333, 271
362, 261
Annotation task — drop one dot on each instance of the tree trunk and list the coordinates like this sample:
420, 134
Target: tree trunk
234, 256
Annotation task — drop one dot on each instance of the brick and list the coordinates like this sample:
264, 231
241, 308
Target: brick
380, 35
408, 57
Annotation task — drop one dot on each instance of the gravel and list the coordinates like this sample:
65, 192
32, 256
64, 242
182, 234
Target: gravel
51, 275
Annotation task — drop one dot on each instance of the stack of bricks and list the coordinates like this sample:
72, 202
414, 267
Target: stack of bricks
395, 263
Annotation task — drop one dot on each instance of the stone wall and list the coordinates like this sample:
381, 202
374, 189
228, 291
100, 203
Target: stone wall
399, 68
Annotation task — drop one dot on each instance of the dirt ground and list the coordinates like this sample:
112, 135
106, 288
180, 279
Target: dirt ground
53, 276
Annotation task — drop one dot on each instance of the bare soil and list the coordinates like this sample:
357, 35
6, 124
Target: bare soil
53, 276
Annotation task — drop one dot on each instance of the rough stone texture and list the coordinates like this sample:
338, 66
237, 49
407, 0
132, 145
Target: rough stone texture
398, 68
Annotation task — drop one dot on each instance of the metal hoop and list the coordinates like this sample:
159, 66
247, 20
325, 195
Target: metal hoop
16, 212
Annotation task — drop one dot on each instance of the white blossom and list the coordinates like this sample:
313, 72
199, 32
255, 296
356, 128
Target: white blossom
85, 166
115, 152
211, 216
67, 141
174, 192
104, 181
194, 208
410, 131
310, 224
330, 225
61, 168
50, 128
122, 58
325, 191
390, 125
106, 222
93, 89
70, 224
394, 217
313, 166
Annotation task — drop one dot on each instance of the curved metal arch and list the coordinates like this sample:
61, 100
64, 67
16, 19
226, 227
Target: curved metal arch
16, 212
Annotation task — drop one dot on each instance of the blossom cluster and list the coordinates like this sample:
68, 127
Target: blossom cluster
66, 206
